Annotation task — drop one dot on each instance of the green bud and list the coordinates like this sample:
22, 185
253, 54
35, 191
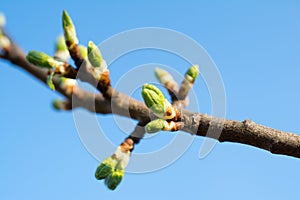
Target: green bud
2, 20
114, 179
193, 72
69, 29
83, 51
154, 98
60, 44
43, 60
94, 55
105, 168
39, 59
155, 126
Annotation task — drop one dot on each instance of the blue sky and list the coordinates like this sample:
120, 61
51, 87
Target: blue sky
255, 45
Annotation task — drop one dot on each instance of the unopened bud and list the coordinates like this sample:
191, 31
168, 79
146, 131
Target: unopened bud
69, 29
154, 98
94, 55
192, 73
155, 126
43, 60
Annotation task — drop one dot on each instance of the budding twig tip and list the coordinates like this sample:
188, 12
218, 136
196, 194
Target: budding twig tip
94, 55
69, 29
42, 60
193, 72
66, 18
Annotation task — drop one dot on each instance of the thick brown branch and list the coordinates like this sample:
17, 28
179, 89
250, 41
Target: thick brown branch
246, 132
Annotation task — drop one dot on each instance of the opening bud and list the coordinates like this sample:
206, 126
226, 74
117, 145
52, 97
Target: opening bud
105, 168
114, 179
154, 98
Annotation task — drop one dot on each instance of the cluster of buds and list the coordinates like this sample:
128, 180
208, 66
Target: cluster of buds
65, 47
112, 168
168, 115
58, 64
156, 102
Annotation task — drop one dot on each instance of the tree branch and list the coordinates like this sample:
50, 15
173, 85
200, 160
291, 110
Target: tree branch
246, 132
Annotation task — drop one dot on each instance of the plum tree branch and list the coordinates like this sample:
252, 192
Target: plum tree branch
223, 130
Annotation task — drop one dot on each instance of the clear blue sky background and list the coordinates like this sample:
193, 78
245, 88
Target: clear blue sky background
256, 46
